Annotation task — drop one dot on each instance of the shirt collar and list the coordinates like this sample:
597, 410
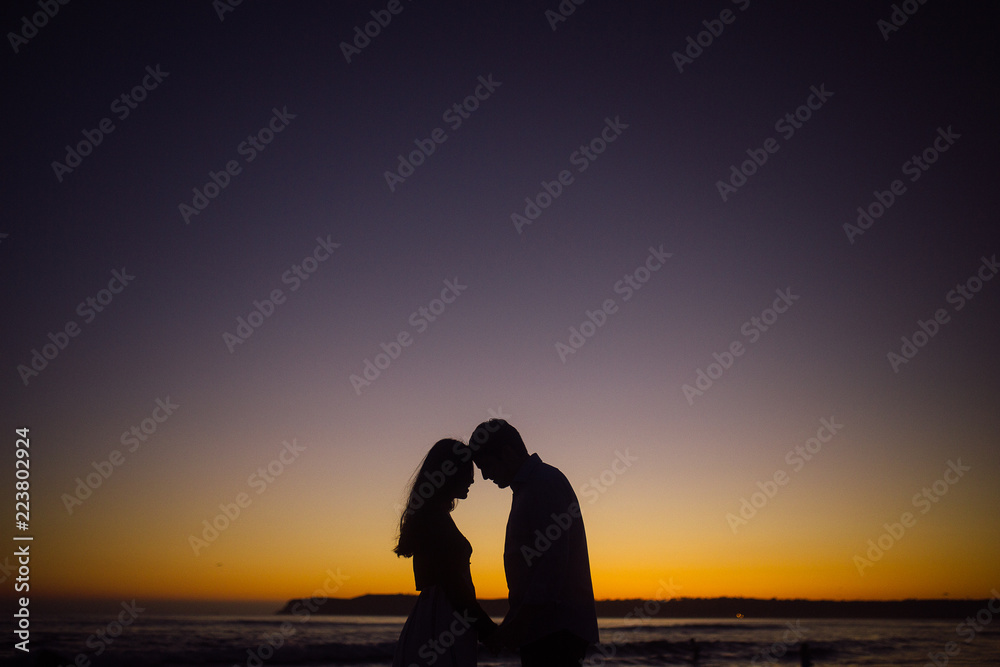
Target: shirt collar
525, 472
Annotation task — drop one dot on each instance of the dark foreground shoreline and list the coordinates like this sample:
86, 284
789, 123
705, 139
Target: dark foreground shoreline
400, 605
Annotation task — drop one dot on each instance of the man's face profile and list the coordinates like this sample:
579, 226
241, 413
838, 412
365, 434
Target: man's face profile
492, 468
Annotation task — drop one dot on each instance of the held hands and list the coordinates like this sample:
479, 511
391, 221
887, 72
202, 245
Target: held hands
493, 644
493, 639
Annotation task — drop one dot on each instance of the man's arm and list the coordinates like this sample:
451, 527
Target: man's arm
549, 519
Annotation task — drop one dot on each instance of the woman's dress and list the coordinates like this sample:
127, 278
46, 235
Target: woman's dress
443, 628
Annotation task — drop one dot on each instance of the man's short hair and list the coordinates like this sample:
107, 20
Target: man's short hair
492, 436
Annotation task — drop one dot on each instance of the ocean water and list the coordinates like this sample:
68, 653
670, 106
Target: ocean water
251, 641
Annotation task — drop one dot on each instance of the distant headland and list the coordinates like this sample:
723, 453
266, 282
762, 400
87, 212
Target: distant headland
747, 608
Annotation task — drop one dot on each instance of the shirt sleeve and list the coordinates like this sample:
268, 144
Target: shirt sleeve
546, 534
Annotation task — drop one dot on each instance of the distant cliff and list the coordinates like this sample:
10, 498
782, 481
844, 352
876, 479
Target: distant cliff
400, 605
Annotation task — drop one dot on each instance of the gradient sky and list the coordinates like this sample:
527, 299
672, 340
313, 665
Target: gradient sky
493, 351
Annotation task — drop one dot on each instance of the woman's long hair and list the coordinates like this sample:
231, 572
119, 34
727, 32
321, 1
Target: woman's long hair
434, 486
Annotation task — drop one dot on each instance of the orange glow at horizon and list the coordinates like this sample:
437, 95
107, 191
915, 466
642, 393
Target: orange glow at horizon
246, 566
332, 515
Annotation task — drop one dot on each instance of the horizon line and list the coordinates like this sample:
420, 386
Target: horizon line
70, 598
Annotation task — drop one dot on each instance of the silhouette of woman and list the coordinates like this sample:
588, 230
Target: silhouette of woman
446, 621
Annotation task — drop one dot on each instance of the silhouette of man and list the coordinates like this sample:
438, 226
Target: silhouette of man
552, 619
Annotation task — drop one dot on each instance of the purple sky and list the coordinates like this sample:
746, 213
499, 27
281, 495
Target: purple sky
686, 208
